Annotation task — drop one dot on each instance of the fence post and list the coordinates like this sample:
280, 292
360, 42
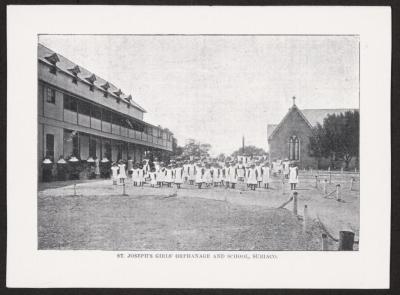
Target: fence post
316, 181
355, 170
346, 241
341, 170
330, 177
123, 189
324, 239
351, 183
74, 189
305, 218
338, 193
325, 186
295, 203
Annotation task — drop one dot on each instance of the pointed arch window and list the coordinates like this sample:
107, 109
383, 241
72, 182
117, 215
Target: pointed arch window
294, 148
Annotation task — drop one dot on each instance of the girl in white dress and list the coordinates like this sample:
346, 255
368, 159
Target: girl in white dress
185, 171
252, 177
178, 176
293, 176
122, 173
216, 175
135, 174
114, 173
226, 174
266, 171
199, 175
286, 165
232, 172
141, 175
259, 174
207, 177
153, 177
161, 175
168, 176
191, 174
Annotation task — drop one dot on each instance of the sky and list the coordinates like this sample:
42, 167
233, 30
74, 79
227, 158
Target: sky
216, 89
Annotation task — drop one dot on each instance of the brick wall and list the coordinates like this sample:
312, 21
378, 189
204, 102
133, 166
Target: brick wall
294, 124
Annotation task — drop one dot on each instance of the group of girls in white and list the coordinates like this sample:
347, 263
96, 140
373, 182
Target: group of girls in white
200, 174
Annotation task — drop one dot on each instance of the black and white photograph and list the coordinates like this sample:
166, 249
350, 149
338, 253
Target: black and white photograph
198, 142
198, 147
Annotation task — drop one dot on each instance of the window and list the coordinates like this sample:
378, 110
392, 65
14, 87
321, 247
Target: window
50, 146
71, 143
91, 87
53, 70
70, 103
50, 95
75, 145
84, 108
107, 149
294, 148
119, 147
106, 116
96, 112
75, 80
92, 147
105, 94
116, 119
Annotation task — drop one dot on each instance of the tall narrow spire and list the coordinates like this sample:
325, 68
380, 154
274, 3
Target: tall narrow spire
294, 100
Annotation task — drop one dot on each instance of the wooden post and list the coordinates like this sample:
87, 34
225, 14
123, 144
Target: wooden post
341, 170
324, 242
330, 177
305, 219
316, 181
74, 189
123, 189
355, 170
338, 193
351, 183
346, 241
295, 203
325, 186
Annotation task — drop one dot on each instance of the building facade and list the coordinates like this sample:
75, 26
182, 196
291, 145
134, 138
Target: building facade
82, 115
290, 138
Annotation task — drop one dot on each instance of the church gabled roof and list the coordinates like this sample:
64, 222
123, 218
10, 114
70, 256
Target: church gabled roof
294, 108
270, 129
310, 116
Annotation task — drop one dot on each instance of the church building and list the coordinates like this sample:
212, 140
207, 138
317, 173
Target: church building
291, 137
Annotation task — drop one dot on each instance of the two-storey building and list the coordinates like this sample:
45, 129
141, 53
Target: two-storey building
83, 115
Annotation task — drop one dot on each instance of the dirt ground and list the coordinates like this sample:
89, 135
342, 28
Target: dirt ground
101, 218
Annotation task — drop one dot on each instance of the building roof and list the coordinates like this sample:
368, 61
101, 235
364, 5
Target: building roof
315, 116
311, 116
48, 56
270, 129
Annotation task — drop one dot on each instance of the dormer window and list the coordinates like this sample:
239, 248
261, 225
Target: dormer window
118, 94
53, 59
75, 71
91, 80
129, 99
105, 87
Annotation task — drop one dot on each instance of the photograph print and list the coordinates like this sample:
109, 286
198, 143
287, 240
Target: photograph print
198, 142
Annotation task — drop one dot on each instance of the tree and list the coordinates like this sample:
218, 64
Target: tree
249, 150
196, 149
338, 138
221, 157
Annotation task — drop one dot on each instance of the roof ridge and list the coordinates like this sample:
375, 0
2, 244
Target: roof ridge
132, 102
